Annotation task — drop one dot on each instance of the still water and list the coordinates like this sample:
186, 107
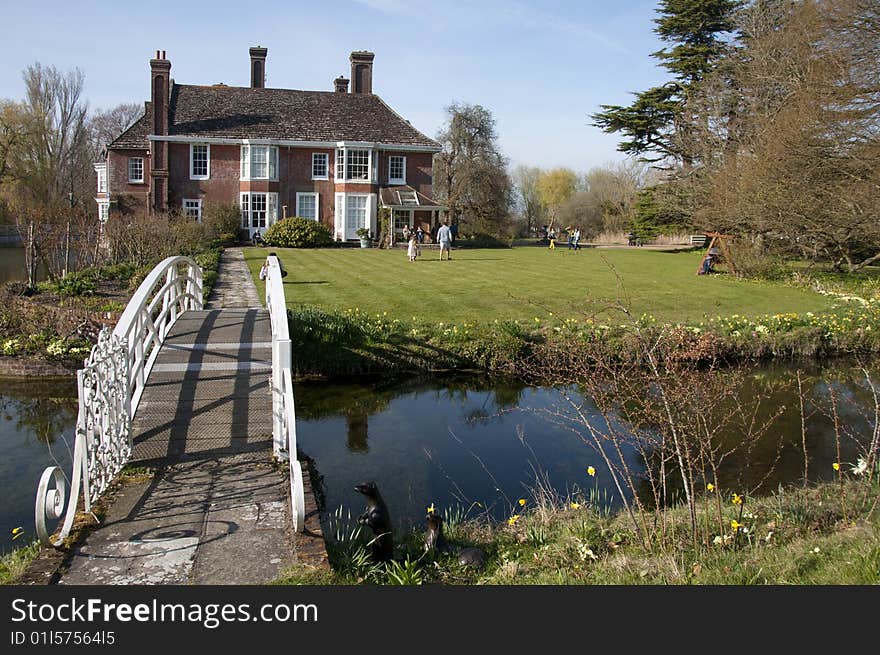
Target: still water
457, 441
37, 419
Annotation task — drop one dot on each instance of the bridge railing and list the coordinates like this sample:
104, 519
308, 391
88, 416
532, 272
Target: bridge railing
283, 409
110, 386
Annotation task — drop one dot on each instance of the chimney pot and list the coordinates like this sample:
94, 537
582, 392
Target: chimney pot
341, 84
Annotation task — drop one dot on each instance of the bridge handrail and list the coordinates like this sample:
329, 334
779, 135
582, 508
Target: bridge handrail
110, 386
283, 408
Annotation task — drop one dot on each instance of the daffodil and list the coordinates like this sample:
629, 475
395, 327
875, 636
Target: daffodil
575, 505
17, 532
836, 466
735, 525
860, 467
591, 471
737, 499
431, 509
522, 502
513, 519
710, 487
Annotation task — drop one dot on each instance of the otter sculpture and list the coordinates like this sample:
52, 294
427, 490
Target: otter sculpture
377, 518
434, 540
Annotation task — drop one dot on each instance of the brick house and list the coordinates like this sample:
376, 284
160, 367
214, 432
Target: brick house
331, 156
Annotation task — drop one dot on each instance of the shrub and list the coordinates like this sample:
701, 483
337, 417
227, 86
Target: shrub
296, 232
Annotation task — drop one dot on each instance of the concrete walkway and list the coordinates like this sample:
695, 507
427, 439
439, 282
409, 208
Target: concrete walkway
217, 510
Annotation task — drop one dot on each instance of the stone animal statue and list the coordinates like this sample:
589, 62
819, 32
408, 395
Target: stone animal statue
376, 517
435, 540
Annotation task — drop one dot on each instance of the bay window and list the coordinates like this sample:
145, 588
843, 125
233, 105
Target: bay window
356, 165
259, 162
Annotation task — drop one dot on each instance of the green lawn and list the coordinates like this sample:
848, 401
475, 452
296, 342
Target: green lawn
523, 283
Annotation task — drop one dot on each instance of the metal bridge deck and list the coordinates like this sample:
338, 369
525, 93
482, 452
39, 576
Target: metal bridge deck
208, 392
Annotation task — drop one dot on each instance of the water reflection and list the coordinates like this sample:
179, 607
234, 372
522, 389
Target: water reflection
37, 421
461, 441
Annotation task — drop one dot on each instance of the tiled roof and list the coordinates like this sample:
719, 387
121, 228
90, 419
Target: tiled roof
136, 135
245, 113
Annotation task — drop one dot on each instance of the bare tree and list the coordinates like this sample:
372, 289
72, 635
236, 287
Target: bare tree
105, 126
525, 179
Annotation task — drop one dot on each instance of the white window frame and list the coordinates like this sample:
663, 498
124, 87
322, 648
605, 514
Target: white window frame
342, 172
198, 207
397, 180
246, 208
207, 147
103, 210
397, 214
132, 180
340, 222
326, 175
101, 170
247, 151
316, 197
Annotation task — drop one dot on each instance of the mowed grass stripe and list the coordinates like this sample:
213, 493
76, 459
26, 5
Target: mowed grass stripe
522, 283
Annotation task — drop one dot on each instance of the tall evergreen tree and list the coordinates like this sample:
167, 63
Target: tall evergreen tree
694, 30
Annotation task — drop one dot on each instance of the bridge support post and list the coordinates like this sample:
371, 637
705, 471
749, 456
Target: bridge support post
281, 354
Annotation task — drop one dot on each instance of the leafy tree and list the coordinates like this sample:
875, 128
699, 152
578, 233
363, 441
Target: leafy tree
470, 173
554, 188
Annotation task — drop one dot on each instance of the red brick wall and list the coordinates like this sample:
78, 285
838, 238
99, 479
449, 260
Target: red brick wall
294, 173
419, 166
117, 177
221, 188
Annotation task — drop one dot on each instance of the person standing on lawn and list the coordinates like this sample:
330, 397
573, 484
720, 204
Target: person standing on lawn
444, 238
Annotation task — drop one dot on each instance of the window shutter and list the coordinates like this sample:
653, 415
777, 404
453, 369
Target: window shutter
245, 163
318, 207
371, 214
273, 163
245, 219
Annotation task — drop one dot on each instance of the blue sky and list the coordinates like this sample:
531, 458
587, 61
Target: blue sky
541, 68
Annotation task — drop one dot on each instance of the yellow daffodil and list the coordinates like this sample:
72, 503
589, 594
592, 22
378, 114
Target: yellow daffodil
737, 499
431, 509
16, 533
575, 505
735, 525
836, 466
522, 502
591, 471
710, 487
513, 519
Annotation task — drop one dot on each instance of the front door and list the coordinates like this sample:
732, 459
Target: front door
258, 212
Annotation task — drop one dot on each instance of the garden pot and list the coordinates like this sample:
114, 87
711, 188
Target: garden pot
365, 243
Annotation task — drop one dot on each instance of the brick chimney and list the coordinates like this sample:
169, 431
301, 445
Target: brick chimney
341, 84
361, 71
258, 67
160, 90
160, 68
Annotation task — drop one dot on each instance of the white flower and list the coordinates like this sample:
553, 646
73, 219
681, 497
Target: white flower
860, 467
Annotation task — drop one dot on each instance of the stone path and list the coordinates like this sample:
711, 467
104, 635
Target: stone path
217, 511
